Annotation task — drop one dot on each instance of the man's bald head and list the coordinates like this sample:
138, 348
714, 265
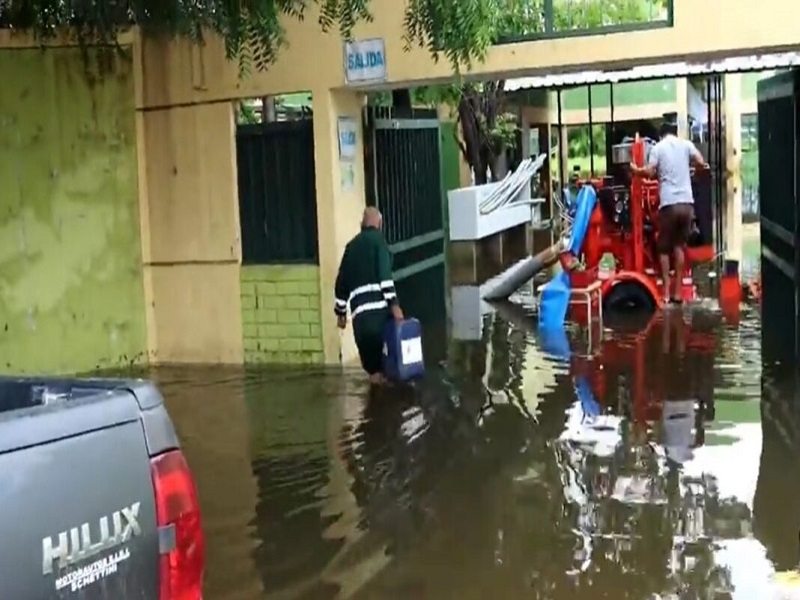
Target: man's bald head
372, 218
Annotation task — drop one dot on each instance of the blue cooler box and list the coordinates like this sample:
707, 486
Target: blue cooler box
402, 350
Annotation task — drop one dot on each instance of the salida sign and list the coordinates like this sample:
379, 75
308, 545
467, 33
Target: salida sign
365, 61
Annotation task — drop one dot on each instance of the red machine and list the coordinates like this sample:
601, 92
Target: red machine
624, 224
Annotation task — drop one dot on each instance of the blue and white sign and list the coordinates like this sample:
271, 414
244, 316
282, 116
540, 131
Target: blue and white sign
365, 61
347, 138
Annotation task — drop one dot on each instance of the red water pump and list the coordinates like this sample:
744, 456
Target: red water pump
624, 225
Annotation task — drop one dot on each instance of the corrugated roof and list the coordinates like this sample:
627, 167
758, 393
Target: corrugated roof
674, 69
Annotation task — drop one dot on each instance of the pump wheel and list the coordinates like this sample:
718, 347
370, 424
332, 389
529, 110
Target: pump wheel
629, 297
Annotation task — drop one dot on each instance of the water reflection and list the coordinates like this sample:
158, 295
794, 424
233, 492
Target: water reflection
634, 468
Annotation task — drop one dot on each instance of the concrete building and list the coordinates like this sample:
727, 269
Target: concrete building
121, 240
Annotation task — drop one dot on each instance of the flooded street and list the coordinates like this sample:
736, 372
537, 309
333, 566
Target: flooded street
649, 466
657, 462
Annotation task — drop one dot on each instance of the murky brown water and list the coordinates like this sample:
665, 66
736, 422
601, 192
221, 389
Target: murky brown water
655, 466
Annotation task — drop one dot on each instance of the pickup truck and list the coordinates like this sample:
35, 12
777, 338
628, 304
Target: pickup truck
96, 498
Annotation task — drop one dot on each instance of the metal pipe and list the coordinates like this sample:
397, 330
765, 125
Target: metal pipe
611, 106
591, 133
518, 275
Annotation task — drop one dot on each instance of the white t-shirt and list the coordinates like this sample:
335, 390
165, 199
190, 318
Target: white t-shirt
671, 158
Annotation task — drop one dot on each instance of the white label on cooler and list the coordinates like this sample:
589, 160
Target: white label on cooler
411, 351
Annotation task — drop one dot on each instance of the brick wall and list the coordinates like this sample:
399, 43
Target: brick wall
281, 314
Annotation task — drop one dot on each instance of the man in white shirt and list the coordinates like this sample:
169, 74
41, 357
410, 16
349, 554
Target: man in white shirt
671, 161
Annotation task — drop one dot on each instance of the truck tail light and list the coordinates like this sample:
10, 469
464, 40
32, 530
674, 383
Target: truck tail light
182, 559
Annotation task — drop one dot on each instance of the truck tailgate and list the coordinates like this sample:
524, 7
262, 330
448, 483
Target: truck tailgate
78, 514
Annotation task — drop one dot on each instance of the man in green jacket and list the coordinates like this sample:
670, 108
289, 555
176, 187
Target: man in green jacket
365, 284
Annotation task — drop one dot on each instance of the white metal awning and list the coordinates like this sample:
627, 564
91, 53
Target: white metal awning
763, 62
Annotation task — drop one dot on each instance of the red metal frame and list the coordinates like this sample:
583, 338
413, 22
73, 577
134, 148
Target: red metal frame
634, 252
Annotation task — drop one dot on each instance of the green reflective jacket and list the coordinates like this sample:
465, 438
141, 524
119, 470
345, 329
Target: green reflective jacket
364, 281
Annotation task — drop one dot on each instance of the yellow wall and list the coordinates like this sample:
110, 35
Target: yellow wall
71, 295
190, 233
732, 108
177, 73
709, 27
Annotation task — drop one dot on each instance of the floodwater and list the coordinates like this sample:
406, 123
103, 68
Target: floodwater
659, 462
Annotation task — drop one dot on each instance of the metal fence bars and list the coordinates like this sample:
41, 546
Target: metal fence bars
403, 179
277, 192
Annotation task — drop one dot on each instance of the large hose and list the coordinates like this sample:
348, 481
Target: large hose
516, 276
555, 297
508, 282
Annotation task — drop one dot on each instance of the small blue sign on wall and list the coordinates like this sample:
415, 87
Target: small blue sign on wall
347, 138
365, 61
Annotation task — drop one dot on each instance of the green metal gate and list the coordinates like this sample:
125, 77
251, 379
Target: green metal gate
403, 179
780, 219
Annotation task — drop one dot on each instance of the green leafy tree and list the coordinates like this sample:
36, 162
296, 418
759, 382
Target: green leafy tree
252, 29
583, 14
246, 114
487, 128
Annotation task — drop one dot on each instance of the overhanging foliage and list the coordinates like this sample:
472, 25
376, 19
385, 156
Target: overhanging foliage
487, 129
252, 29
460, 30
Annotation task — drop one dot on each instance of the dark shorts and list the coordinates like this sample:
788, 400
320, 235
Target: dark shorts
369, 341
674, 226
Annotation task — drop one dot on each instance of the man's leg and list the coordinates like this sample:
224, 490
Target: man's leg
369, 340
665, 227
682, 228
664, 260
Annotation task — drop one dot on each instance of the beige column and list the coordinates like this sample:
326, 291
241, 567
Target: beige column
733, 157
340, 202
188, 201
189, 218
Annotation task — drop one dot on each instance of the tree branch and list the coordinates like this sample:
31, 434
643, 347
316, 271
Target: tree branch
460, 143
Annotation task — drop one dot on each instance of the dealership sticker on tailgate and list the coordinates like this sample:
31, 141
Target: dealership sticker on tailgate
78, 544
